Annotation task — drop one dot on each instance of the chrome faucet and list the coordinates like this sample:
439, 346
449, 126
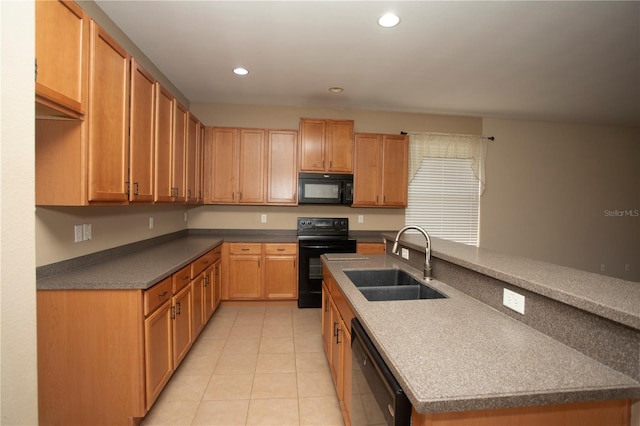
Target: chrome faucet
427, 251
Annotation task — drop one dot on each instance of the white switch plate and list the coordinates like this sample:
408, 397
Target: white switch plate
263, 218
405, 253
151, 222
513, 300
78, 233
86, 231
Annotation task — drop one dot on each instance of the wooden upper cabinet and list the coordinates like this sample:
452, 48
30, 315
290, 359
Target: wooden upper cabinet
108, 118
62, 41
163, 142
235, 165
142, 134
380, 170
200, 165
326, 145
282, 167
178, 152
191, 159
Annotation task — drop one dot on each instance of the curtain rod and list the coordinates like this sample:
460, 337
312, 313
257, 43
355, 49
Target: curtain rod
490, 138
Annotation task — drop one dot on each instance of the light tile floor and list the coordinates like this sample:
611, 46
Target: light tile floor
252, 366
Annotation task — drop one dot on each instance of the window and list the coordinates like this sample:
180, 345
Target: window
444, 199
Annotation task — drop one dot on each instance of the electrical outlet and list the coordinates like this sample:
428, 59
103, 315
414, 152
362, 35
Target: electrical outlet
151, 222
626, 267
360, 218
86, 231
602, 267
513, 300
185, 216
78, 233
405, 253
263, 218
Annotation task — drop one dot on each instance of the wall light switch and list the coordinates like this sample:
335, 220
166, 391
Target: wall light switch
78, 233
86, 231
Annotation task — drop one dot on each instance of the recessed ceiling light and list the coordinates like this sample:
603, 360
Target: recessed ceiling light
336, 89
389, 20
240, 71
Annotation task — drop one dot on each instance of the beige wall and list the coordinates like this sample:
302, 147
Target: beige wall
18, 352
548, 187
110, 227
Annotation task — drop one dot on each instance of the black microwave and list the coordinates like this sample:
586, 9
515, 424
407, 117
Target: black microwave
323, 188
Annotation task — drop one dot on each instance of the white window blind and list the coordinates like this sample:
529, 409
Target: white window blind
444, 198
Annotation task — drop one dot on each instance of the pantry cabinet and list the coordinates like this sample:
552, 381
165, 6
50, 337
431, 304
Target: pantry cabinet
326, 146
142, 133
62, 52
108, 148
282, 167
235, 165
380, 175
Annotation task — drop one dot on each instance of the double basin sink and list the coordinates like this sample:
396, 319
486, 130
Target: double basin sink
390, 284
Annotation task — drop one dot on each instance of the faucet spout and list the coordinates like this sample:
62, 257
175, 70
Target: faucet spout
427, 252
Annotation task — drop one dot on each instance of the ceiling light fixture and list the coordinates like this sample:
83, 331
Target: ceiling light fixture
336, 89
240, 71
388, 20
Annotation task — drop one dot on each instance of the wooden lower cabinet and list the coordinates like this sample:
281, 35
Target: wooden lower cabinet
260, 271
336, 338
371, 248
104, 356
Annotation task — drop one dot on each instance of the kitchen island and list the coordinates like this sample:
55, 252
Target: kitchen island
459, 354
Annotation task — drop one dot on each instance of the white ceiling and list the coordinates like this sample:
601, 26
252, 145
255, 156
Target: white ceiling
576, 61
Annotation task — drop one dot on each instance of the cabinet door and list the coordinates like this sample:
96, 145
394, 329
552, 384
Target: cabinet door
62, 36
158, 352
251, 166
339, 146
108, 118
164, 138
346, 371
395, 185
337, 350
327, 324
312, 139
191, 164
367, 168
141, 134
197, 305
245, 278
222, 164
200, 165
180, 116
217, 283
282, 167
181, 325
281, 276
209, 292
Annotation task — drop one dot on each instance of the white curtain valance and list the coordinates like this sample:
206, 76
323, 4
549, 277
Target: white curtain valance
445, 145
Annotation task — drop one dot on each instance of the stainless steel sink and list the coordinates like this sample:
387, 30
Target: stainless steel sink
390, 284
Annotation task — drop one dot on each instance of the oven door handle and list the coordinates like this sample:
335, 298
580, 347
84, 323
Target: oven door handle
323, 246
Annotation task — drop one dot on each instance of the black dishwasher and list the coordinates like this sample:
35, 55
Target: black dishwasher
376, 396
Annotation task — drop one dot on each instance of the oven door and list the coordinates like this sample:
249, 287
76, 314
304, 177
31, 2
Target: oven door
310, 267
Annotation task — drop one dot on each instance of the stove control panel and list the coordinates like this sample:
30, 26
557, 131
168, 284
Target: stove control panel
323, 226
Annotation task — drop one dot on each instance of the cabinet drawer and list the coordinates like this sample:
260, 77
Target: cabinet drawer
157, 295
181, 278
245, 248
200, 264
281, 248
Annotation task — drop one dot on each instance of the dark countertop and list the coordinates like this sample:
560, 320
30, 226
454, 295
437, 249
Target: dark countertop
141, 265
458, 354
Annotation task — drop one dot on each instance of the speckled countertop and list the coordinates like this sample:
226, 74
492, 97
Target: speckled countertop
138, 270
608, 297
458, 354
